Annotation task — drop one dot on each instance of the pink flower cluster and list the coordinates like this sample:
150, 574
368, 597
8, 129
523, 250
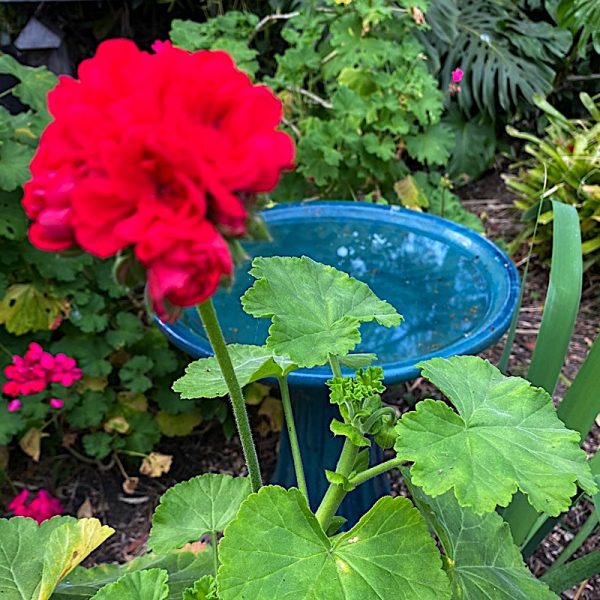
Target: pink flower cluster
40, 507
457, 76
34, 371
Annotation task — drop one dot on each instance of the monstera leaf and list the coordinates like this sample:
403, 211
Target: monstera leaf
483, 561
275, 548
203, 378
34, 558
209, 502
505, 436
316, 309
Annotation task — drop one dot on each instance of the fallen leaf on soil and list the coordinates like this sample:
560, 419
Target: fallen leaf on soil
130, 485
69, 439
156, 464
86, 510
254, 393
31, 443
272, 409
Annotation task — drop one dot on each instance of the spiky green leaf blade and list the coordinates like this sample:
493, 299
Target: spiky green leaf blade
203, 378
558, 322
190, 509
149, 585
562, 300
573, 572
275, 548
483, 561
316, 310
506, 436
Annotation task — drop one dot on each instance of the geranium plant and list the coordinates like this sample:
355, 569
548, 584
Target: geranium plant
138, 182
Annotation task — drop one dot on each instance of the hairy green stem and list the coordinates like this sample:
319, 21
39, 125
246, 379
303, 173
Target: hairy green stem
335, 493
292, 435
379, 469
335, 366
214, 542
213, 330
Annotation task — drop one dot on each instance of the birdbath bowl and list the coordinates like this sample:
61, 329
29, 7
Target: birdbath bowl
456, 291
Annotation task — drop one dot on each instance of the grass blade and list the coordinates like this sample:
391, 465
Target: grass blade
573, 573
558, 321
562, 300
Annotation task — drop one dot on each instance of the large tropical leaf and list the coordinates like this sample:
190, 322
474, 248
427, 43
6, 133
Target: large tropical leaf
505, 56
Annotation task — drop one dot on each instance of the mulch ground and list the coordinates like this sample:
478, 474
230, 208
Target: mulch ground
88, 490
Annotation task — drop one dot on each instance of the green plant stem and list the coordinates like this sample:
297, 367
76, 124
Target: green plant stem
335, 493
292, 435
213, 330
379, 469
214, 542
335, 366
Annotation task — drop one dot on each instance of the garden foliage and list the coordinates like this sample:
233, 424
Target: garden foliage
461, 458
71, 304
564, 164
358, 99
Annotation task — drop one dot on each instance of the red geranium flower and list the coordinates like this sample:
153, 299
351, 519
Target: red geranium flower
40, 506
156, 151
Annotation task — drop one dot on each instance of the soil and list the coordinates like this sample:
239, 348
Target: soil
88, 490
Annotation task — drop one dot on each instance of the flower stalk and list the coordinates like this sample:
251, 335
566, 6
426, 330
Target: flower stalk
292, 435
207, 313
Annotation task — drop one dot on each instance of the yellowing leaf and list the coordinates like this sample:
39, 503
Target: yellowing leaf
23, 308
178, 425
31, 442
134, 401
409, 194
93, 384
67, 546
156, 464
117, 424
272, 409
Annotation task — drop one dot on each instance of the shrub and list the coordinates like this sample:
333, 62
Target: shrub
563, 164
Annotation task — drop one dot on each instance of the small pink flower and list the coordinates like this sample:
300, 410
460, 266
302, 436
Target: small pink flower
42, 506
56, 403
14, 406
457, 75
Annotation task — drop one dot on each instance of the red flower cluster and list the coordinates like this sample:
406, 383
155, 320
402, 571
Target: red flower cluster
34, 371
42, 506
155, 151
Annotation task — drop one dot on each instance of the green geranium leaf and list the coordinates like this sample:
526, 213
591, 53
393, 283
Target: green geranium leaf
483, 561
184, 569
34, 558
309, 324
358, 360
275, 548
14, 164
35, 82
209, 502
129, 330
149, 585
13, 224
203, 378
433, 146
179, 425
349, 431
505, 436
204, 589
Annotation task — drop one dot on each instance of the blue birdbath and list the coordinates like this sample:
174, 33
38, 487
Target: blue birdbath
456, 291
